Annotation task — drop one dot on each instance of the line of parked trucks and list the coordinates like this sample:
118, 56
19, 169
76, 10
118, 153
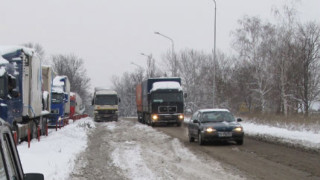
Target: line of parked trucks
32, 96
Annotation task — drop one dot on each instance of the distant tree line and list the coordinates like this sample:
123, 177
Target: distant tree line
274, 69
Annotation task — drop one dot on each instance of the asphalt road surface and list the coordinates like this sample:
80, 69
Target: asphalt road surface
257, 159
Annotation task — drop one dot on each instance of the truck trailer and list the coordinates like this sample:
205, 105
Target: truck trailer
160, 100
105, 104
21, 95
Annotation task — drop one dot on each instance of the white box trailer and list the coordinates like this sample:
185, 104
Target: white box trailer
32, 86
47, 82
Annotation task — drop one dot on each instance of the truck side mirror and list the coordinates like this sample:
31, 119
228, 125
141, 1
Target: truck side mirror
185, 95
92, 102
15, 93
119, 100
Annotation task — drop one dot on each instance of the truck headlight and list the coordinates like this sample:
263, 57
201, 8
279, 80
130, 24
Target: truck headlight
238, 129
181, 116
210, 130
155, 117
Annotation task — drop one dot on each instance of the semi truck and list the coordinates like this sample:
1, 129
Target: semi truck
21, 95
60, 100
160, 100
105, 104
76, 105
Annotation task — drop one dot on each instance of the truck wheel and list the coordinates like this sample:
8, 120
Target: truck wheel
179, 124
34, 130
44, 126
16, 129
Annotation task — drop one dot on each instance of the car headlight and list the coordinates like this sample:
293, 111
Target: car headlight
238, 129
181, 116
210, 130
155, 117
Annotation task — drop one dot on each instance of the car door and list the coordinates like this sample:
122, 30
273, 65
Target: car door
10, 159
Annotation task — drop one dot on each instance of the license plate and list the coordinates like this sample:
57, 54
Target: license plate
224, 134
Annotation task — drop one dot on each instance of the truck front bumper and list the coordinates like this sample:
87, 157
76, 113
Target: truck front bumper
167, 118
105, 117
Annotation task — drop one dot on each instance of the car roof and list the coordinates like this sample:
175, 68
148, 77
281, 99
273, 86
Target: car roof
213, 110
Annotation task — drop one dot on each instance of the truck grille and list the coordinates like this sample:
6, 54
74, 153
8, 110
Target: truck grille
167, 109
106, 111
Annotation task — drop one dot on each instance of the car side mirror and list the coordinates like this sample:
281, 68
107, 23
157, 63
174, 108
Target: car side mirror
239, 120
119, 100
196, 121
33, 176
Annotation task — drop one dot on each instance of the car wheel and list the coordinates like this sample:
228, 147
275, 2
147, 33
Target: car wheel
200, 139
239, 142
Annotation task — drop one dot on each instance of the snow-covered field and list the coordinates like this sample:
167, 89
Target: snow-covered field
55, 155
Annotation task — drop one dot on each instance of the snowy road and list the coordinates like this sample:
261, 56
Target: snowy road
129, 150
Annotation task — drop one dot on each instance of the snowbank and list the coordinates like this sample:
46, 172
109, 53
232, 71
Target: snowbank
305, 138
55, 155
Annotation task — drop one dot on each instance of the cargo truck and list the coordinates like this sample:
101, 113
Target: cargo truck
160, 100
60, 100
76, 105
21, 95
105, 104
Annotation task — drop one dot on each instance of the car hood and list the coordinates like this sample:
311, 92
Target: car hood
222, 126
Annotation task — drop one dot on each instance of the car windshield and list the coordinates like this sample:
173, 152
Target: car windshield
57, 98
217, 116
167, 97
106, 100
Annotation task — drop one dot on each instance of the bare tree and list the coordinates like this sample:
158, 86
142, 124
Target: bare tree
308, 53
39, 49
73, 67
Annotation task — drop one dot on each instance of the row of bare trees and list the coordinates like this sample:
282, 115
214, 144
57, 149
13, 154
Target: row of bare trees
274, 69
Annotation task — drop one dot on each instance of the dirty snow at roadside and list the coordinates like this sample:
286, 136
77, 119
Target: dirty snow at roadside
305, 138
55, 155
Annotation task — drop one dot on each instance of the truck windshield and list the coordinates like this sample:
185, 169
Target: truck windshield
57, 98
167, 97
2, 90
106, 100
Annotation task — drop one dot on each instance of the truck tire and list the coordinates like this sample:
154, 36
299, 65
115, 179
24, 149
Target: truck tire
16, 129
34, 130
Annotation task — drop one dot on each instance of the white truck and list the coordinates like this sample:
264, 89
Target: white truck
105, 104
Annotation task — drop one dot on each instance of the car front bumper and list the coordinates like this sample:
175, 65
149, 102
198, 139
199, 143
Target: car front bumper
222, 136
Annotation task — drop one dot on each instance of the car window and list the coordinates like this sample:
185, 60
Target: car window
3, 175
11, 163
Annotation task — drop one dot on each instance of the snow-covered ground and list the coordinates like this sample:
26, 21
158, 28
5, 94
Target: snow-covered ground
55, 155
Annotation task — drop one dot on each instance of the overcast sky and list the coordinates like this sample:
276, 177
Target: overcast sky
110, 34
